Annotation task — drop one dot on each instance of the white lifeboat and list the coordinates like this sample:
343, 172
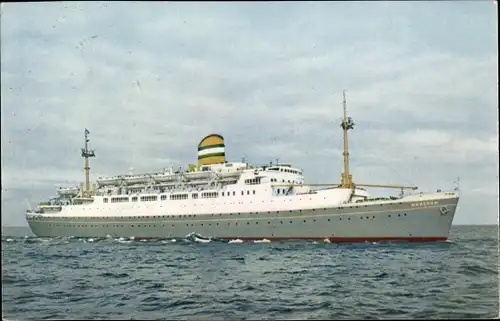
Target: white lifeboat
68, 191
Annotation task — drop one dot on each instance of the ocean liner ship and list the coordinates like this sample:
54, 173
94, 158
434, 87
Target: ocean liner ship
236, 200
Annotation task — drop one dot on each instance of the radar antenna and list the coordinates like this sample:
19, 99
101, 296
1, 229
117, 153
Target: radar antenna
86, 153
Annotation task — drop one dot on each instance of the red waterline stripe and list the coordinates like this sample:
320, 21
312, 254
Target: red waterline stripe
332, 239
347, 239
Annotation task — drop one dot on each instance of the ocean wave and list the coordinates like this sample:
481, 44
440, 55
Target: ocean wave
127, 278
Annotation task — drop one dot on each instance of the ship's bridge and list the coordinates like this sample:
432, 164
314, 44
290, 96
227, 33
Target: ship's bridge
271, 174
284, 173
286, 168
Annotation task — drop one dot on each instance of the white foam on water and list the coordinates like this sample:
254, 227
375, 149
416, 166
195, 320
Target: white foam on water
91, 240
314, 242
132, 238
9, 240
327, 240
143, 240
196, 239
262, 241
235, 241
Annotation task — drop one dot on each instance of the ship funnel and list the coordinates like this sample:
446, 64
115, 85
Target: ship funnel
211, 150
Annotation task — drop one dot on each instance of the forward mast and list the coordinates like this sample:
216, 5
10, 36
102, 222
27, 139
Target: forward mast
346, 177
86, 154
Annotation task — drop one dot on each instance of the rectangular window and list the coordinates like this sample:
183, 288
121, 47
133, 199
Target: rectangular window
149, 198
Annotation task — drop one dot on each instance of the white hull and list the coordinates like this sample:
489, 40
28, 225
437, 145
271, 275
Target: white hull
425, 217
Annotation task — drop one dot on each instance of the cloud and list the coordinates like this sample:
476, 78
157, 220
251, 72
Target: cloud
150, 81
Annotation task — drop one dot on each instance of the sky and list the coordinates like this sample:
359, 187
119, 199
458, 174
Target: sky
150, 80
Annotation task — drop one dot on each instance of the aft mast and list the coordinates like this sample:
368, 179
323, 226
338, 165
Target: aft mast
346, 125
86, 153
